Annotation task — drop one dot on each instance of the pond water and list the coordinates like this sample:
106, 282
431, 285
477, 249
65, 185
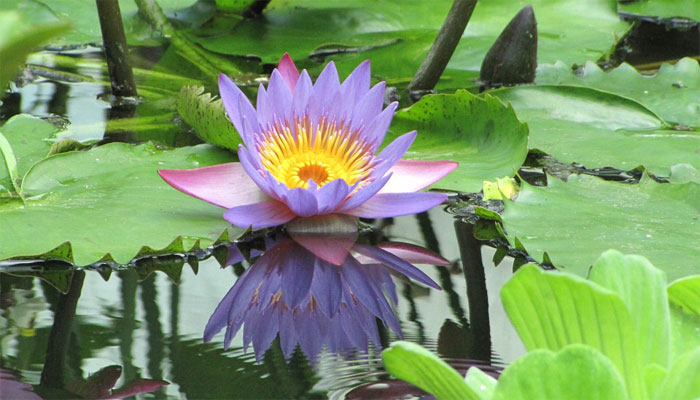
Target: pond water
151, 327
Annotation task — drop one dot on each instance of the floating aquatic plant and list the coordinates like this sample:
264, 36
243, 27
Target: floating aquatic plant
311, 149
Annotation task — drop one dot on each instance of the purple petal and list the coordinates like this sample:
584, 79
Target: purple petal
369, 106
302, 202
414, 175
264, 109
413, 254
393, 152
385, 205
303, 95
289, 71
280, 96
357, 83
356, 278
248, 163
395, 263
297, 270
224, 185
236, 105
327, 288
375, 131
234, 255
326, 88
265, 332
288, 336
362, 195
332, 248
330, 195
259, 215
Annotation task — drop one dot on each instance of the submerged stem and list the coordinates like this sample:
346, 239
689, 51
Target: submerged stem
445, 44
116, 50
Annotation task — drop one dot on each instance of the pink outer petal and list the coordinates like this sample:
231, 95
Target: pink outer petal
387, 205
413, 175
224, 185
414, 254
260, 215
331, 248
289, 71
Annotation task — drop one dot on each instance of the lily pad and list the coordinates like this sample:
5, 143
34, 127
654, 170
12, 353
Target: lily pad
689, 9
673, 92
600, 129
575, 221
109, 203
396, 34
482, 135
27, 137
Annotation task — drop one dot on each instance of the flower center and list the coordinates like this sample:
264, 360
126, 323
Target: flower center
298, 154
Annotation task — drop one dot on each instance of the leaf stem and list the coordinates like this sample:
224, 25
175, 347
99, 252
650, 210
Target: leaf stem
116, 50
445, 43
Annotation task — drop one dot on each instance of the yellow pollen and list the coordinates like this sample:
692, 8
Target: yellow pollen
298, 154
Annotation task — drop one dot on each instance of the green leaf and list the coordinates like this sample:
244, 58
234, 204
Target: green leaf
397, 34
642, 288
481, 383
574, 372
110, 203
412, 363
689, 9
11, 182
685, 331
683, 173
570, 123
207, 117
654, 375
551, 310
574, 222
683, 379
673, 92
481, 134
18, 39
685, 293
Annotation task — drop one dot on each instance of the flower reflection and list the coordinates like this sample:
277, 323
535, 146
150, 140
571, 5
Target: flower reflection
315, 290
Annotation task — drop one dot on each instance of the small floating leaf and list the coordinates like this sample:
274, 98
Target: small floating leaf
207, 117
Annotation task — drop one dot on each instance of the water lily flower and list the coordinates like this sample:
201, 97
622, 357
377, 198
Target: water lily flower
312, 297
311, 149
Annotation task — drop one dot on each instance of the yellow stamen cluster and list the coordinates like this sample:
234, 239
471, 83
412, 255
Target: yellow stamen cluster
294, 155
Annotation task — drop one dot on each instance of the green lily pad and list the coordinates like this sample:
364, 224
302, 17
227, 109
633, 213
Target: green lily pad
574, 222
28, 137
689, 9
85, 24
397, 34
482, 135
575, 372
110, 203
685, 294
673, 93
600, 129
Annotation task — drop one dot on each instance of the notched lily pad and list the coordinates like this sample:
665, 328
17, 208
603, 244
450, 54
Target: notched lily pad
207, 117
110, 204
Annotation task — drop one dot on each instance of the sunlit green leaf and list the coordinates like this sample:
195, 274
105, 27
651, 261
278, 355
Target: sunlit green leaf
673, 92
575, 221
481, 383
551, 310
642, 288
574, 372
412, 363
481, 134
683, 379
109, 202
685, 293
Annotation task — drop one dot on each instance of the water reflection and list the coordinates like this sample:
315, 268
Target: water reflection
318, 290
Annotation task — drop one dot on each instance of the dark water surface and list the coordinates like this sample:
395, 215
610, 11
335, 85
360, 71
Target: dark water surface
152, 327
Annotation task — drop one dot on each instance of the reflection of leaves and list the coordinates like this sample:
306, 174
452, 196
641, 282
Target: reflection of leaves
58, 275
99, 385
577, 220
110, 203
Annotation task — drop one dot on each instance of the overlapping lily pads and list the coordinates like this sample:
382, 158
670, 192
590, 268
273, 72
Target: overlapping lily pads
396, 35
689, 9
600, 129
109, 203
575, 221
481, 134
673, 92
